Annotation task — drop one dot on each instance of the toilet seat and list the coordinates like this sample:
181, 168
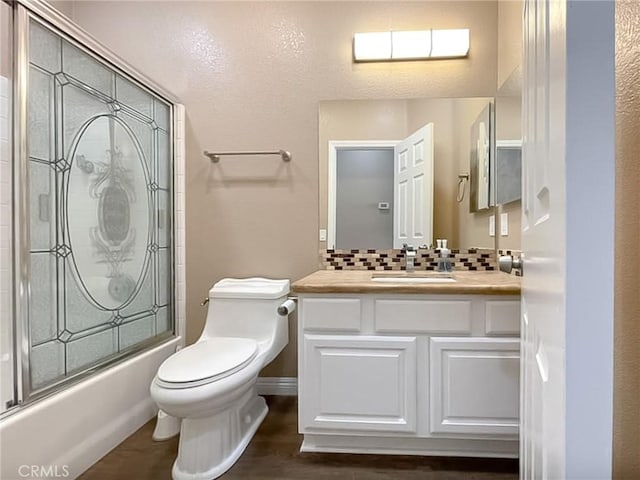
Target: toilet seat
206, 361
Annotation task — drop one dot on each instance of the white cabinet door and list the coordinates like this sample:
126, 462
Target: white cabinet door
358, 383
475, 385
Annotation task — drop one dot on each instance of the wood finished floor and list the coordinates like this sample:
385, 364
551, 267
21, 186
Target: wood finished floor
273, 454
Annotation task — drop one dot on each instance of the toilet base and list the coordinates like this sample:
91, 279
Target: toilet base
166, 427
209, 446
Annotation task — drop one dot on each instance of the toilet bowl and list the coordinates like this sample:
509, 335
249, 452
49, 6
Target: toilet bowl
211, 385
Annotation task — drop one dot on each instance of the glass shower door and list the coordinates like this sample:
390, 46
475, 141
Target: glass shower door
100, 248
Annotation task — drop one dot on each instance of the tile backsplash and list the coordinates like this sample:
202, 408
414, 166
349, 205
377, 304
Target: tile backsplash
369, 259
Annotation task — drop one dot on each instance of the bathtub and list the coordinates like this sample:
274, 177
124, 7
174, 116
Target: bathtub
62, 435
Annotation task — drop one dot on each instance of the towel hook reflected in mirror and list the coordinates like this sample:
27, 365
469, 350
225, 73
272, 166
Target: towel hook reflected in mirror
463, 178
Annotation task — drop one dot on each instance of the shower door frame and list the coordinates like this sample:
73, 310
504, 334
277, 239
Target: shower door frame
24, 11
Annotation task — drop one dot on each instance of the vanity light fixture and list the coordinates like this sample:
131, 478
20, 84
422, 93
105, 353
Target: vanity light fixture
410, 45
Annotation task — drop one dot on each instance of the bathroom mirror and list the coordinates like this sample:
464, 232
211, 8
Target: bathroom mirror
356, 158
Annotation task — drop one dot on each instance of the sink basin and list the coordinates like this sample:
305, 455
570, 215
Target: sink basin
413, 277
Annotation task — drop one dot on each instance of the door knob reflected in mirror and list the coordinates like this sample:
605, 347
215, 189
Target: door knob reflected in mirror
508, 263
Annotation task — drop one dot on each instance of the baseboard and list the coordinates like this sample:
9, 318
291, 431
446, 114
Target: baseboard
285, 386
391, 445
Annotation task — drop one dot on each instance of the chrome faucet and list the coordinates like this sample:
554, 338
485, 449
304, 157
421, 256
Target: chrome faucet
410, 257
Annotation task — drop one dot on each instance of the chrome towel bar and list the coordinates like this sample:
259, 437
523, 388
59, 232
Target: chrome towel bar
215, 156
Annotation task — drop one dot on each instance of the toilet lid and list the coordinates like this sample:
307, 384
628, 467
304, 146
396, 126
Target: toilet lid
208, 359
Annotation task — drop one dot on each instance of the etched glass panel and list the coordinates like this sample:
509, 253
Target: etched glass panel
81, 313
134, 97
163, 163
78, 108
108, 212
42, 303
143, 133
43, 204
143, 300
164, 218
85, 351
162, 115
163, 322
40, 114
137, 331
164, 274
85, 69
47, 363
44, 46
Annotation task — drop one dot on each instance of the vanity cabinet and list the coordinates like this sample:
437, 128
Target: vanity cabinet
412, 374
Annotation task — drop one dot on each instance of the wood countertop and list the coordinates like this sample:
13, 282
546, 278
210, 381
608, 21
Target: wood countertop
360, 281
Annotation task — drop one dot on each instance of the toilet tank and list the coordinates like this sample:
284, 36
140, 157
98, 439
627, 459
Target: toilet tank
246, 307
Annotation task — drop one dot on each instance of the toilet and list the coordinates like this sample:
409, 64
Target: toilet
211, 385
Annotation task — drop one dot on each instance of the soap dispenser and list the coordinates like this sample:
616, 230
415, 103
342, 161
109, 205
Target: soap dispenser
444, 262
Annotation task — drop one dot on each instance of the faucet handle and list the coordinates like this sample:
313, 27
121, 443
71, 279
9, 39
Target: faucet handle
407, 248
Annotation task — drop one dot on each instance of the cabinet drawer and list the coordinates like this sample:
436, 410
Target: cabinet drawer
423, 316
358, 383
502, 317
341, 314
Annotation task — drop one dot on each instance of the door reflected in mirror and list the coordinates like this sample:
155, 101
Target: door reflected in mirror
367, 202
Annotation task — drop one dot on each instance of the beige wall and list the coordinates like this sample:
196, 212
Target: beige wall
626, 421
509, 127
510, 35
251, 75
63, 6
508, 118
